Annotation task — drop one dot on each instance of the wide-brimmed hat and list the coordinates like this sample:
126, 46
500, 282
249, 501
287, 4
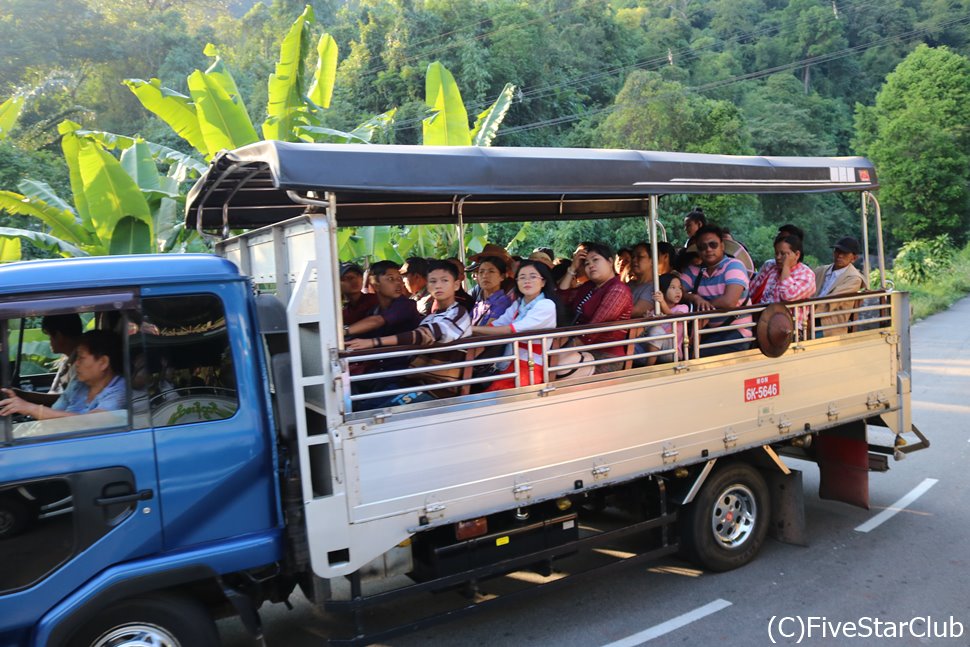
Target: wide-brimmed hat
848, 244
774, 330
490, 249
542, 257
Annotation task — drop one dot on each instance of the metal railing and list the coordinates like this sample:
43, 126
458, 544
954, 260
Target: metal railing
548, 345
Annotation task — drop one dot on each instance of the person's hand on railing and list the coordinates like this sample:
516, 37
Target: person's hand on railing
361, 344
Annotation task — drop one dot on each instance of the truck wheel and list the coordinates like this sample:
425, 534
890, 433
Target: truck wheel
157, 621
15, 516
725, 526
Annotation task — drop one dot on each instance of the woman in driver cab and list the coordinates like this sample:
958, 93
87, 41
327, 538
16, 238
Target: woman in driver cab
99, 385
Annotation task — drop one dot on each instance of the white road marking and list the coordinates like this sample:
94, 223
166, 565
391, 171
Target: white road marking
897, 507
670, 625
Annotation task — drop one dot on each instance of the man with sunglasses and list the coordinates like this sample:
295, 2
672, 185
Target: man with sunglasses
719, 283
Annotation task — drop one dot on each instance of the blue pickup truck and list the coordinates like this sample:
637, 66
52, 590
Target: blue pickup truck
238, 464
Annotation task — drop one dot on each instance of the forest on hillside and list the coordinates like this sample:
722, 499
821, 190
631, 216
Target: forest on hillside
885, 78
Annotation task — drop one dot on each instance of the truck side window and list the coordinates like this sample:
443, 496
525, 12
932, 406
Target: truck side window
186, 370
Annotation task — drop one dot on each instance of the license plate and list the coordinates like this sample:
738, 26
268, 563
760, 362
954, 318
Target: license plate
759, 388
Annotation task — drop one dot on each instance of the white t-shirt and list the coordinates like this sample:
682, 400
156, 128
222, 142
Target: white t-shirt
538, 314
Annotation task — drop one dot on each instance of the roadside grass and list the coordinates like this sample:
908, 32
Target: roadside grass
938, 295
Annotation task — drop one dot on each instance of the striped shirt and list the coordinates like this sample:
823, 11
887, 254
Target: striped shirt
713, 284
439, 328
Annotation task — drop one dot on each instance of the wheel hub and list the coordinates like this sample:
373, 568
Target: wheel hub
137, 635
733, 516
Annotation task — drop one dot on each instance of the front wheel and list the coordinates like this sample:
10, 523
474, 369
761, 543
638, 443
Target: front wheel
157, 621
726, 524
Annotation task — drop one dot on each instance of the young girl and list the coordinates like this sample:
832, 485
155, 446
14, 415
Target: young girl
669, 296
534, 309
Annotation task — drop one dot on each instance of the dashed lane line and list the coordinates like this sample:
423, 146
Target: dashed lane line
670, 625
897, 507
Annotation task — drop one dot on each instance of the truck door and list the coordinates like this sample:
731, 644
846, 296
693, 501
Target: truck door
77, 494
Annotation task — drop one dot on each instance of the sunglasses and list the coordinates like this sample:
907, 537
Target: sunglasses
711, 244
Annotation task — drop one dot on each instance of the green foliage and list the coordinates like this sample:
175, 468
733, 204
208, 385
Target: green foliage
942, 290
918, 138
9, 113
448, 125
922, 260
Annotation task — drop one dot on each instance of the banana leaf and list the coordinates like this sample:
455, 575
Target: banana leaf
222, 75
9, 113
131, 236
9, 249
41, 191
71, 146
138, 162
286, 83
174, 109
61, 223
488, 122
162, 154
321, 91
381, 122
224, 122
43, 241
110, 192
449, 125
322, 135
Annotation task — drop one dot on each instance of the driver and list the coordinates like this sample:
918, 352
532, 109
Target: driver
64, 332
99, 385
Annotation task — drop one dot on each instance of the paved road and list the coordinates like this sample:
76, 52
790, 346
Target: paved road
915, 564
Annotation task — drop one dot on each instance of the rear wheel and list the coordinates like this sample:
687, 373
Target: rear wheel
725, 526
157, 621
15, 515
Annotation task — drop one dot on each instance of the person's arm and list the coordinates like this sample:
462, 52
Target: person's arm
14, 404
658, 297
800, 285
642, 308
34, 397
501, 326
758, 282
579, 257
365, 325
729, 300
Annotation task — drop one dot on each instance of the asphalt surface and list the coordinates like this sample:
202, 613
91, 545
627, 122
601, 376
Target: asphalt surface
913, 567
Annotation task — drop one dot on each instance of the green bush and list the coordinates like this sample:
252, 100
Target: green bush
920, 260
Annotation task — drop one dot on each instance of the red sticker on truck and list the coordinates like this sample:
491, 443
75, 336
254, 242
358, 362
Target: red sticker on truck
759, 388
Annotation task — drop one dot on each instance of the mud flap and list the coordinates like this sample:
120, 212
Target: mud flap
787, 507
843, 462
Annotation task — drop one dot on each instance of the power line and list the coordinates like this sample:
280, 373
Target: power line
683, 54
814, 60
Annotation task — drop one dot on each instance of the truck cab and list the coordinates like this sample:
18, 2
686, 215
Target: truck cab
181, 480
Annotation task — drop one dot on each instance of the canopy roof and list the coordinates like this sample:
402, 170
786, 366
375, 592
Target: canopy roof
377, 185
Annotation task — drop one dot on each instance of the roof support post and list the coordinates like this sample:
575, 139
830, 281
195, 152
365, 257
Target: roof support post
654, 207
879, 243
865, 235
461, 233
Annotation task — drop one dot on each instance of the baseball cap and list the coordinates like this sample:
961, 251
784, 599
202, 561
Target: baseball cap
848, 244
350, 267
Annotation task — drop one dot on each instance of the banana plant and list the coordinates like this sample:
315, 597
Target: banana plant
214, 116
9, 113
121, 206
448, 123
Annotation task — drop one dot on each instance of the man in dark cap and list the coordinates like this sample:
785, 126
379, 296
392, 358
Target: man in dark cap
840, 277
356, 303
415, 274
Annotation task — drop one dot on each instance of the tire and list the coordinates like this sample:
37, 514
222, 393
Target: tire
159, 621
726, 524
15, 515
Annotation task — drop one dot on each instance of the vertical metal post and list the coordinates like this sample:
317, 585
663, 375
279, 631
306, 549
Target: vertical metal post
654, 207
461, 233
882, 251
865, 235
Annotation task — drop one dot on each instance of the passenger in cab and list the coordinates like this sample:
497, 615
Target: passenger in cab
491, 300
839, 277
720, 282
356, 304
450, 323
535, 308
99, 385
787, 279
601, 299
